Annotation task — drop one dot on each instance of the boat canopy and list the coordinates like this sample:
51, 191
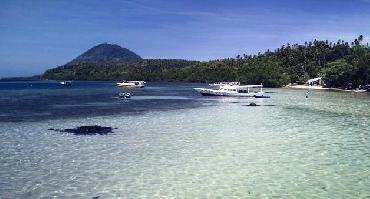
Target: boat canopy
224, 83
243, 86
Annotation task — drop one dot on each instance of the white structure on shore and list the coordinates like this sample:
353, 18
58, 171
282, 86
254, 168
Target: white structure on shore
315, 82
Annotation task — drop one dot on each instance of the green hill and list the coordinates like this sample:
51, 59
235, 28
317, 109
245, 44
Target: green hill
105, 53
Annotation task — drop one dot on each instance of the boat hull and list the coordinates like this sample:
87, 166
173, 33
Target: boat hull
262, 96
211, 92
130, 86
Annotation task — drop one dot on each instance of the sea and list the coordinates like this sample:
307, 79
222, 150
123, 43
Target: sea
168, 141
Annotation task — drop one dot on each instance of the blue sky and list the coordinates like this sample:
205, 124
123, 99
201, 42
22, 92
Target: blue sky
40, 34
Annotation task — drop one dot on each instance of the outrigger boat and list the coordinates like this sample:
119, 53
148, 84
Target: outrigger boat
131, 84
234, 89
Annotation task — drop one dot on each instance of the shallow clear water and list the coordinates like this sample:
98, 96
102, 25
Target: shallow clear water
173, 143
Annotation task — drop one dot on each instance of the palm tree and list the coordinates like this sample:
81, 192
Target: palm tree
360, 38
356, 42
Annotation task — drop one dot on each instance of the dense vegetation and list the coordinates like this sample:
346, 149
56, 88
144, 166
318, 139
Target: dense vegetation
339, 63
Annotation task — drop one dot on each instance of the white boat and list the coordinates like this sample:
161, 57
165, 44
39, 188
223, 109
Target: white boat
234, 90
66, 83
131, 84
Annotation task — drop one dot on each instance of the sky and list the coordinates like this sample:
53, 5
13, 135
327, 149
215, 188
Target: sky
41, 34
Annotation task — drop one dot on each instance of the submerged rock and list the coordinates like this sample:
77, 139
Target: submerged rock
252, 104
87, 130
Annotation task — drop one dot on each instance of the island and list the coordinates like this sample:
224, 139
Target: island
340, 64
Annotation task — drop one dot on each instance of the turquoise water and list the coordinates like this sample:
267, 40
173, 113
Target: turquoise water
182, 145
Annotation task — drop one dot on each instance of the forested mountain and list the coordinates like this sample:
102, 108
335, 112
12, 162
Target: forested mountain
339, 63
105, 53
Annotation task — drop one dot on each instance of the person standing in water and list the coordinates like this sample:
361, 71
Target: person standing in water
307, 94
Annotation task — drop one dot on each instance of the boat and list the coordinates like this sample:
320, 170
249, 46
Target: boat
131, 84
234, 90
66, 83
124, 95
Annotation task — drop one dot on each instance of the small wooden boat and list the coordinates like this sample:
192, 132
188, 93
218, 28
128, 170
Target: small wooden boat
124, 95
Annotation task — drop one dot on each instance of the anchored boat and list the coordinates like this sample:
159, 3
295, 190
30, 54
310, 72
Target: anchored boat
124, 95
234, 89
131, 84
66, 83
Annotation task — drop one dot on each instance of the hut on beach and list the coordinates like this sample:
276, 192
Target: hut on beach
315, 82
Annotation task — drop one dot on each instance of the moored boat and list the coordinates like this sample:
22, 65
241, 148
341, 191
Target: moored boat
66, 83
131, 84
234, 90
124, 95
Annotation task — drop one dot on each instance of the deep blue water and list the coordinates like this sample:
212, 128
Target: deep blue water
22, 101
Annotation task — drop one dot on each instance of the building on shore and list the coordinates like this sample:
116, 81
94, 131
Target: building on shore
315, 82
